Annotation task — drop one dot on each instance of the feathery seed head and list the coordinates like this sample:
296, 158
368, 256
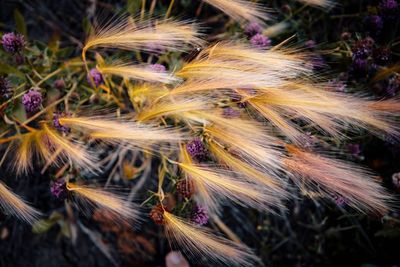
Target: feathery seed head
32, 100
13, 43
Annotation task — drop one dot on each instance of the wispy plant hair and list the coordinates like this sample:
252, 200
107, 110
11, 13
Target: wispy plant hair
241, 10
199, 241
124, 33
97, 197
338, 178
16, 206
136, 72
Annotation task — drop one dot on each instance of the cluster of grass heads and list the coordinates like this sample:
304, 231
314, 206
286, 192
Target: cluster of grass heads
186, 123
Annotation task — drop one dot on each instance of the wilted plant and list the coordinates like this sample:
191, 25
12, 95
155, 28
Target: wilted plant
227, 127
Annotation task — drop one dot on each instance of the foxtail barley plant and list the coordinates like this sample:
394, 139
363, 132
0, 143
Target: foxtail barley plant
227, 125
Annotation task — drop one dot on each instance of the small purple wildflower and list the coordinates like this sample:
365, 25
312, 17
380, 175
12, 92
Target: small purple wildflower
32, 100
96, 76
58, 188
13, 43
252, 29
200, 215
389, 9
260, 41
5, 88
230, 113
197, 149
157, 68
57, 124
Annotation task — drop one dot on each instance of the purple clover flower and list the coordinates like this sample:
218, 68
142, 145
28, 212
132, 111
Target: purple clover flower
260, 41
197, 149
13, 43
200, 215
57, 124
96, 76
58, 188
32, 100
252, 29
157, 68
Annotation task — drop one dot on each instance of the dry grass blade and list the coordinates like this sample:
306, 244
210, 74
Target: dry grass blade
198, 241
14, 205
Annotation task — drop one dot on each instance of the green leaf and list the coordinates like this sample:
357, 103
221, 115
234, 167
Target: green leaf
7, 69
20, 22
42, 226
